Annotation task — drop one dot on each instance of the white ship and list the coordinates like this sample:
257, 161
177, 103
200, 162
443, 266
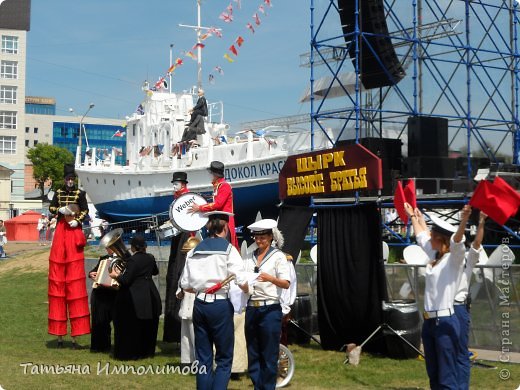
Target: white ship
142, 187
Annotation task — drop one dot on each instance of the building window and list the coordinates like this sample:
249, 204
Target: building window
7, 119
7, 145
9, 44
8, 94
27, 130
9, 70
35, 130
27, 142
35, 142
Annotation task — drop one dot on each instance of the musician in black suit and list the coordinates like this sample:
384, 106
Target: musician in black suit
137, 306
102, 300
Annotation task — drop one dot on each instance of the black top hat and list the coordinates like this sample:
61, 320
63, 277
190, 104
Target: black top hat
180, 176
217, 168
68, 170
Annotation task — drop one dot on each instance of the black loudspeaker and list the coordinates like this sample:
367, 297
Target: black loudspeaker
427, 136
431, 167
378, 62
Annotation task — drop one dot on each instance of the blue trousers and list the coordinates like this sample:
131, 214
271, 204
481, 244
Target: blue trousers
441, 348
463, 362
262, 329
213, 325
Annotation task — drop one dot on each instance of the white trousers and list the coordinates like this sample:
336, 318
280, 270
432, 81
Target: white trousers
187, 342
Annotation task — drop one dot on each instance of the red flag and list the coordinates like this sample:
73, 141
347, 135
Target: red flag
233, 50
239, 41
399, 200
197, 45
409, 193
502, 184
494, 201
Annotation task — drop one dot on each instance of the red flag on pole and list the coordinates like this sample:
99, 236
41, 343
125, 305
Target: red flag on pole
409, 193
498, 204
399, 200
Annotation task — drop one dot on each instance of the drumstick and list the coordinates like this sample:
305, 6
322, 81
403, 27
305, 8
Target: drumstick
218, 286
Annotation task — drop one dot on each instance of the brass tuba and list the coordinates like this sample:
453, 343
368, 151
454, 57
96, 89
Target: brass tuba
113, 240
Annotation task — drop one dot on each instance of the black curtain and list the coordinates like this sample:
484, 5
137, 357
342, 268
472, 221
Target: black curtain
351, 279
176, 261
293, 222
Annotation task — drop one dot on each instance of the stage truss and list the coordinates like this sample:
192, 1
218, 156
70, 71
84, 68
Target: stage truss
461, 62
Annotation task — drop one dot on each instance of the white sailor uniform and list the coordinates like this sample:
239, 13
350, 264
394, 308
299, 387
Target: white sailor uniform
210, 262
264, 317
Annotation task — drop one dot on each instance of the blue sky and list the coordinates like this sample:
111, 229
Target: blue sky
101, 51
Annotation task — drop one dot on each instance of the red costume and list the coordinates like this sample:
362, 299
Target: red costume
223, 201
68, 297
67, 289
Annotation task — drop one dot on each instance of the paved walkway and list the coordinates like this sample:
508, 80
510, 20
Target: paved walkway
497, 356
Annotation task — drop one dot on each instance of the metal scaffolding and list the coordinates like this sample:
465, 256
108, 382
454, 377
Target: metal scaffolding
461, 63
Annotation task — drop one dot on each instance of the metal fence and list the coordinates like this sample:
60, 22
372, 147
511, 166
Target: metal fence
495, 300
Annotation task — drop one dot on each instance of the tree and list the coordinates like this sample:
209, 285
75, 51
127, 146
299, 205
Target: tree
48, 161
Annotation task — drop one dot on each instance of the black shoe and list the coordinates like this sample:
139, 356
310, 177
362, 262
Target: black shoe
60, 344
235, 376
76, 346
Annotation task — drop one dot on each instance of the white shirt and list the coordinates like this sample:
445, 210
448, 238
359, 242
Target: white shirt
274, 263
288, 295
210, 262
442, 280
472, 257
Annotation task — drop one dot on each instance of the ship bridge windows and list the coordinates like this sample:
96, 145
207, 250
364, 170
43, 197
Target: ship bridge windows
129, 183
113, 181
139, 183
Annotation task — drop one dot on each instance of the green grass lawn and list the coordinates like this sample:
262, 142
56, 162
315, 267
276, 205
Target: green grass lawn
24, 341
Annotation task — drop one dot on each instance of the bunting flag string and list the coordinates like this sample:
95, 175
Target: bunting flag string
227, 16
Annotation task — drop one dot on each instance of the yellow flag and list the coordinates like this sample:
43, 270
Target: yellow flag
227, 57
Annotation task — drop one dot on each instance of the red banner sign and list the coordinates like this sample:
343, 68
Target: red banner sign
332, 171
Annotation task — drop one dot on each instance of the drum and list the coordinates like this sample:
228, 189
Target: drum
167, 230
182, 218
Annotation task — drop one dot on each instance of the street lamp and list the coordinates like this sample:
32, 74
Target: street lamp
90, 107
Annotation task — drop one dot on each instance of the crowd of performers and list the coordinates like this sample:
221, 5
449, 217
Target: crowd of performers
225, 310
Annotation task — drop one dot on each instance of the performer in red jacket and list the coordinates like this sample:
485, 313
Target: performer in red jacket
68, 298
222, 198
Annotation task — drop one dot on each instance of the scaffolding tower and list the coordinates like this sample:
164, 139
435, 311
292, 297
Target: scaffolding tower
456, 59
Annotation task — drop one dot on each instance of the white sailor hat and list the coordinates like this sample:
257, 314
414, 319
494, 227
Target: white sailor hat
441, 226
414, 254
264, 226
223, 215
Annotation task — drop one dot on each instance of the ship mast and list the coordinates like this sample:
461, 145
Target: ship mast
198, 28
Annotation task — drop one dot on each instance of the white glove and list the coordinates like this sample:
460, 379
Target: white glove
64, 210
73, 223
